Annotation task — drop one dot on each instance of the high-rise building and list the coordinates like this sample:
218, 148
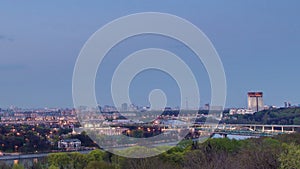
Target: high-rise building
124, 107
255, 101
287, 104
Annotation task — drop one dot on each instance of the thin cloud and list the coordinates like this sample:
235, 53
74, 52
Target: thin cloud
5, 38
2, 37
12, 67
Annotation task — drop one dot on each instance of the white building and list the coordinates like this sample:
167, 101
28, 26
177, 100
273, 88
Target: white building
255, 101
70, 144
240, 111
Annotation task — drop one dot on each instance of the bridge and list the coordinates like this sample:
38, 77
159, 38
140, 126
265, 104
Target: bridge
262, 127
207, 129
248, 129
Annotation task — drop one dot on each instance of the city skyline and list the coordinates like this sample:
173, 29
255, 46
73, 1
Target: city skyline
256, 41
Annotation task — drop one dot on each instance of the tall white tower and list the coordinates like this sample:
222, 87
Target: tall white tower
255, 101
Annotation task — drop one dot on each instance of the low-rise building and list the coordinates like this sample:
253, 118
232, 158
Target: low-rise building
240, 111
69, 144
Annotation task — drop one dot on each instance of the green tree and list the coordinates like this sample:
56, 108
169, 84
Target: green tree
259, 153
62, 160
53, 167
17, 166
297, 121
98, 165
290, 158
223, 144
176, 154
79, 161
95, 155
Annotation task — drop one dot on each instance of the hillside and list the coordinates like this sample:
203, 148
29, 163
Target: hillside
284, 116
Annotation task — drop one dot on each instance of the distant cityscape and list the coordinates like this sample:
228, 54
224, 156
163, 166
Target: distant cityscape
63, 117
64, 129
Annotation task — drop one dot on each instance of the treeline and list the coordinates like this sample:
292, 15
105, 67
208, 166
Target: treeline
282, 116
282, 151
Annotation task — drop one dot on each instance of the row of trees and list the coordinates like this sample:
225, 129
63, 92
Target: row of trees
282, 151
282, 116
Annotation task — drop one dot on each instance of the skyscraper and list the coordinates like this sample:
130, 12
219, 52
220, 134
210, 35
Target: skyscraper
287, 104
255, 101
124, 107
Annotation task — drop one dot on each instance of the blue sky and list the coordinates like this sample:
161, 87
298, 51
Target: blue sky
257, 41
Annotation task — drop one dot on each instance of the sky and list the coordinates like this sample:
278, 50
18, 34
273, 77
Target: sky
257, 41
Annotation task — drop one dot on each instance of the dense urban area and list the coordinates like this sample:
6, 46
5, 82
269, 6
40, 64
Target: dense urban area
53, 131
257, 137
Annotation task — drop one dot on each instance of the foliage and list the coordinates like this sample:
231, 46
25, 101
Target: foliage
175, 155
96, 155
147, 163
17, 166
290, 158
223, 144
139, 151
281, 116
98, 165
282, 151
61, 160
28, 138
53, 167
78, 161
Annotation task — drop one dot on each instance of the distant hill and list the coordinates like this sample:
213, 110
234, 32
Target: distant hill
284, 116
